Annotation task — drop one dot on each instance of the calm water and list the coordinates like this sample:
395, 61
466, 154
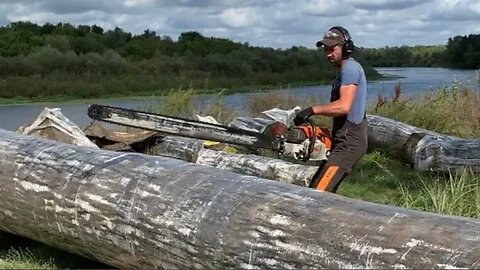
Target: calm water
415, 82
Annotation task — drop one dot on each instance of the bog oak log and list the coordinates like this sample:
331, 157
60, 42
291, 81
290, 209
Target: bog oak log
264, 167
386, 133
137, 211
423, 149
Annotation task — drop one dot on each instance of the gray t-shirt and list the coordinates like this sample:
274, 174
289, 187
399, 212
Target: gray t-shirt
352, 73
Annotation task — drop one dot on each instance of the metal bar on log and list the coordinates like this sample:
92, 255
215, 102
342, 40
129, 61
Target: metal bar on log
137, 211
181, 127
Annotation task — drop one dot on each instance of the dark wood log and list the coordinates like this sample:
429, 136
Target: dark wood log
131, 140
186, 149
423, 149
264, 167
440, 154
386, 133
137, 211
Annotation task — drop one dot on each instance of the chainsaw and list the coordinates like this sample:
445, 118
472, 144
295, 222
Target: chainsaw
305, 142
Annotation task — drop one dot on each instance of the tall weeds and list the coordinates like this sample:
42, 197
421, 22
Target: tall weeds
453, 110
176, 102
457, 194
182, 103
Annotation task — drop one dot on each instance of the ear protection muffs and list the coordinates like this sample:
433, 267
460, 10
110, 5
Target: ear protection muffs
348, 46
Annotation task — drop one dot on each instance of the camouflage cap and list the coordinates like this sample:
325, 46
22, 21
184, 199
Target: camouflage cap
333, 37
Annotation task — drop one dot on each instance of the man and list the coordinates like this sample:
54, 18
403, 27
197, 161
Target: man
347, 107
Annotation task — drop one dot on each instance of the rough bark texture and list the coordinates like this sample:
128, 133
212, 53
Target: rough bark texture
386, 133
175, 147
133, 210
423, 149
270, 168
264, 167
440, 154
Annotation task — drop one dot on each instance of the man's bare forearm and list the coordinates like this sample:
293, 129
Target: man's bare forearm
333, 109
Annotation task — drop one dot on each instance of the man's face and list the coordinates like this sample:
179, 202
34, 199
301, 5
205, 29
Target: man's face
334, 55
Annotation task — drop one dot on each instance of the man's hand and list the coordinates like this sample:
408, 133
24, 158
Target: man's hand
302, 116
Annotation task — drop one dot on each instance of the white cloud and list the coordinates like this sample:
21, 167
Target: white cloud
238, 17
385, 4
272, 23
137, 3
329, 8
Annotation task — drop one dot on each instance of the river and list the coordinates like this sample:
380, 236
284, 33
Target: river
415, 82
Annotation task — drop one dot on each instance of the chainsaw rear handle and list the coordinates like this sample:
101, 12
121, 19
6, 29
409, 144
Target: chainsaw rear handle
312, 139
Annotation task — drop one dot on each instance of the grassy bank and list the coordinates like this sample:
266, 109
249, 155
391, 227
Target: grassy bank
379, 177
140, 93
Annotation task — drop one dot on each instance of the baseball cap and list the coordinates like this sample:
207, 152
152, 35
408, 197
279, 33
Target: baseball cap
331, 38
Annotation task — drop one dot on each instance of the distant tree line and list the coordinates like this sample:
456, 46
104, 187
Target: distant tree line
460, 52
63, 60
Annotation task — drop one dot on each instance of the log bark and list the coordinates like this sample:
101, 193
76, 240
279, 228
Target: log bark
386, 133
264, 167
175, 147
136, 211
191, 150
423, 149
440, 154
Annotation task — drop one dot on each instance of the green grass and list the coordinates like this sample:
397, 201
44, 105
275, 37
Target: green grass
21, 253
380, 179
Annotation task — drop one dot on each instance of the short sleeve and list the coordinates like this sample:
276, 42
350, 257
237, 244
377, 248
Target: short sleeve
350, 74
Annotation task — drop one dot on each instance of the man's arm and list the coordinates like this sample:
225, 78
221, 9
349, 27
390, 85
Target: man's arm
340, 107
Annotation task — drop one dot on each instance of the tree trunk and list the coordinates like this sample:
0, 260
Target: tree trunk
138, 211
264, 167
423, 149
427, 152
386, 133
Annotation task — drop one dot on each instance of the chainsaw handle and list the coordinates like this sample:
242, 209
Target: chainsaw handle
311, 144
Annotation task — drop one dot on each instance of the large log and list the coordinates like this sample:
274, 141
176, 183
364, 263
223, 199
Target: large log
386, 133
192, 150
423, 149
132, 210
264, 167
427, 152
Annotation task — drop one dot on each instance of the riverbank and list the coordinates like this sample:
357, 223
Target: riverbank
141, 94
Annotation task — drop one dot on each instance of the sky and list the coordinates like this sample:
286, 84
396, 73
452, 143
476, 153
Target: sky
267, 23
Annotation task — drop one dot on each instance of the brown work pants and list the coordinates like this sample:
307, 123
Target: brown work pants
349, 146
